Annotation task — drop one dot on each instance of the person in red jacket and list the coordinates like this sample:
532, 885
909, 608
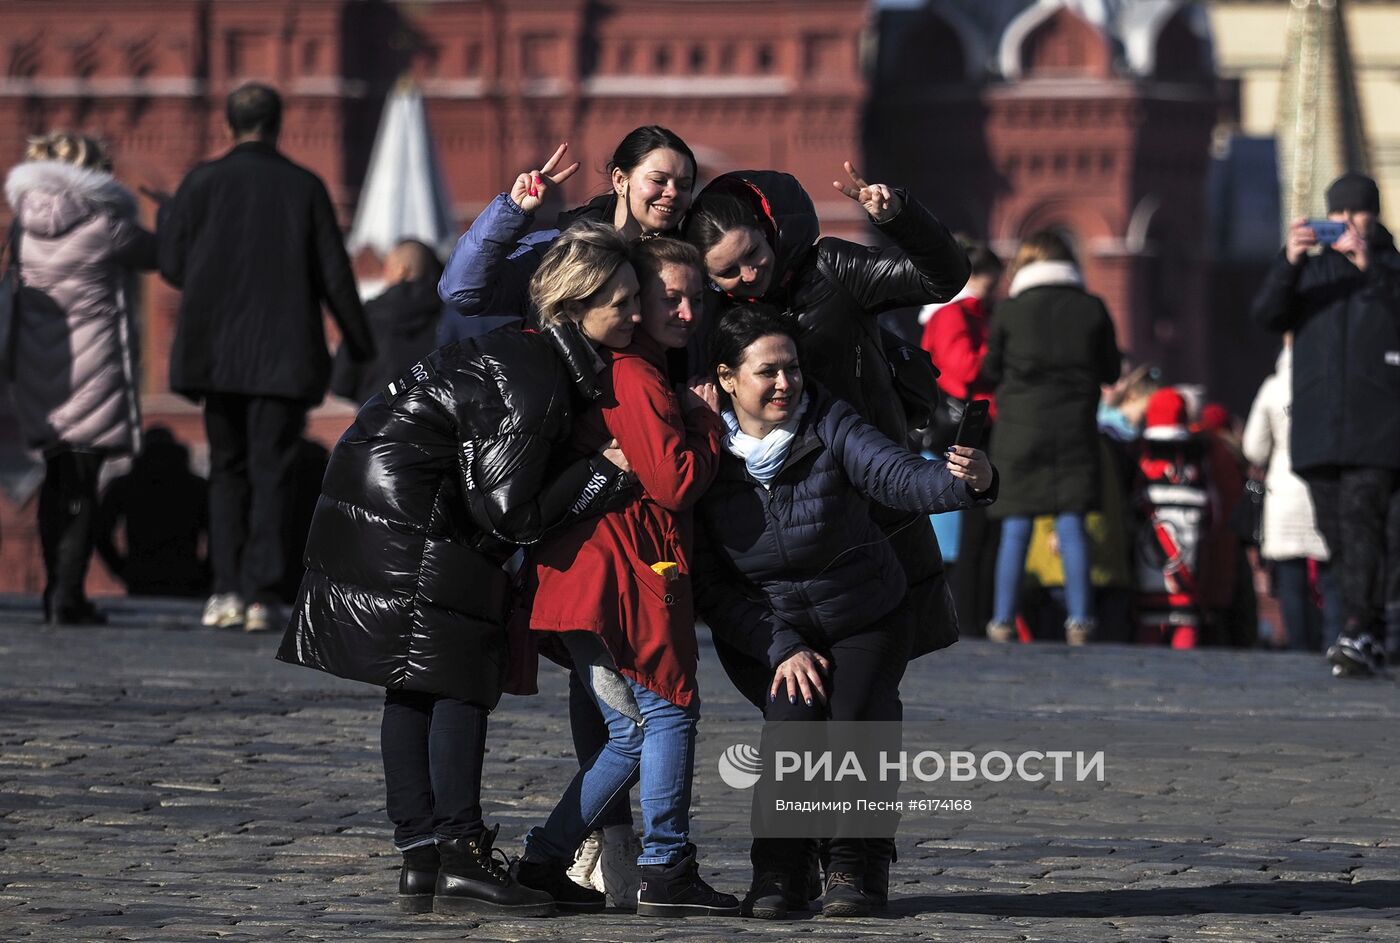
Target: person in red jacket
955, 334
616, 594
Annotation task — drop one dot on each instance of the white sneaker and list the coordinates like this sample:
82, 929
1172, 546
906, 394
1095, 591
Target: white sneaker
582, 872
618, 868
1001, 632
1079, 633
259, 617
222, 611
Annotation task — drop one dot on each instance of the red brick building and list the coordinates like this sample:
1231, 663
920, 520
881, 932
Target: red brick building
749, 83
1004, 116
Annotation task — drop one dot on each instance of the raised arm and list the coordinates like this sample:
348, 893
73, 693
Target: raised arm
489, 270
925, 265
893, 475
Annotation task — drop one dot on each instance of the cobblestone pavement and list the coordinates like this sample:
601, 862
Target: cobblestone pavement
164, 782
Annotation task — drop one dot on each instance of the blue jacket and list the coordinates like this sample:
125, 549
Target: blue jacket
801, 563
490, 268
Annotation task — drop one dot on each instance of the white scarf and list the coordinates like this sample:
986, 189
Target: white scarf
764, 457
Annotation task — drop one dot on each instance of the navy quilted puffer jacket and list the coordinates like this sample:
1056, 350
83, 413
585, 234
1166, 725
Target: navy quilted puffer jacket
801, 563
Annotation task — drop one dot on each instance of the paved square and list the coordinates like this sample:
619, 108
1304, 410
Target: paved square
163, 782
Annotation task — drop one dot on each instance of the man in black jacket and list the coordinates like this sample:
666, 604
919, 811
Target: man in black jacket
252, 241
1342, 301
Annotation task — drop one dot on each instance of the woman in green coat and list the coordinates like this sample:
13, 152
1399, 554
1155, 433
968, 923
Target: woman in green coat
1051, 347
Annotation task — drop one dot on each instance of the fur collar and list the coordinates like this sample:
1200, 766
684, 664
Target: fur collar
1043, 274
68, 193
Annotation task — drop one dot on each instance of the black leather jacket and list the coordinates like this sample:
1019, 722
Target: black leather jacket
430, 491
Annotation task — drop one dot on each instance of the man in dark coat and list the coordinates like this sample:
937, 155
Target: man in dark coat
252, 241
1342, 303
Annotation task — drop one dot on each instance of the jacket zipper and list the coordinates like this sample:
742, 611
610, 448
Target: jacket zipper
857, 361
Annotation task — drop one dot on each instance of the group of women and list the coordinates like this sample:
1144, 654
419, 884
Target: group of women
768, 492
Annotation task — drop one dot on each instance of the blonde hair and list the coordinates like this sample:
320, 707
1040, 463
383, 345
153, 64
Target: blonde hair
81, 150
1043, 246
579, 263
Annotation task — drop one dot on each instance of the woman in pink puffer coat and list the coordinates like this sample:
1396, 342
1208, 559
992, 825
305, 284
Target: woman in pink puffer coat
75, 352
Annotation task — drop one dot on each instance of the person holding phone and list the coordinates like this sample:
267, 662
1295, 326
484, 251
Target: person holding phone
799, 584
1342, 303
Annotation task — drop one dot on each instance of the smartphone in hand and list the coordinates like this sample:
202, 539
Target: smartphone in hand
972, 430
1326, 230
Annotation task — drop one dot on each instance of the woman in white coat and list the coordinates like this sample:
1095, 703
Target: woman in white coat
1291, 541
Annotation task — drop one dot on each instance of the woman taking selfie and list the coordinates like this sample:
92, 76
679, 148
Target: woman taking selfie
798, 583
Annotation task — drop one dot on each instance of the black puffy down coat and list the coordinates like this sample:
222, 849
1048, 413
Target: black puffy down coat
1346, 354
426, 496
801, 562
836, 289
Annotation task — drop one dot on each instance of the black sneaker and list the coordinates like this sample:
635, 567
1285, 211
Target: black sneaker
552, 877
475, 878
1356, 657
676, 890
417, 879
843, 897
768, 896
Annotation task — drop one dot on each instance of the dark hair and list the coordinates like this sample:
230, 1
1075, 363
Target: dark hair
640, 142
254, 109
982, 259
743, 325
715, 215
649, 256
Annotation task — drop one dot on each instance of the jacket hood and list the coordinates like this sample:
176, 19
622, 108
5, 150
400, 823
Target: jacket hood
50, 197
407, 307
1381, 238
785, 209
598, 210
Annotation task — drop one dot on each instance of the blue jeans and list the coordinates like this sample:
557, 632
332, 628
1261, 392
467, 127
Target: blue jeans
661, 749
1011, 565
1306, 632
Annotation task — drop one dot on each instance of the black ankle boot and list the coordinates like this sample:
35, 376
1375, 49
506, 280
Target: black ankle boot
676, 890
879, 855
417, 879
844, 897
476, 878
552, 878
767, 898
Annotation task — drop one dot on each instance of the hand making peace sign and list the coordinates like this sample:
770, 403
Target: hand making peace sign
531, 186
882, 203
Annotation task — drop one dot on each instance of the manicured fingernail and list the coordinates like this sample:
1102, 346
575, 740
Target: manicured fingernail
792, 698
809, 702
772, 697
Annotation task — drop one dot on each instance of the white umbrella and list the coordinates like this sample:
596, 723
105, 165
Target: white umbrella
403, 195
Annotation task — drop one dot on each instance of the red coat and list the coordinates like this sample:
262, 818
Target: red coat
956, 338
597, 575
